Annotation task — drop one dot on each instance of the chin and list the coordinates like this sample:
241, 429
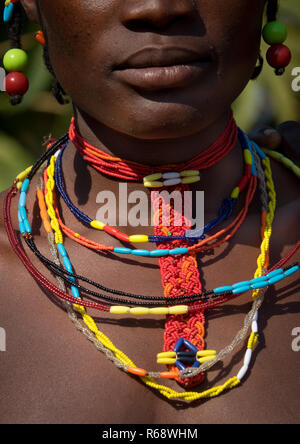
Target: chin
163, 128
157, 120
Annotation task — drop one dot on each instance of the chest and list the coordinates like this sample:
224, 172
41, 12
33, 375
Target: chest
53, 373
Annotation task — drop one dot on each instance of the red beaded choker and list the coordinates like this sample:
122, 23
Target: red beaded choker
133, 171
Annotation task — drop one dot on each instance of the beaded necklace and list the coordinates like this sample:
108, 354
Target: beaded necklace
115, 167
59, 240
168, 269
133, 171
205, 295
188, 236
269, 278
106, 346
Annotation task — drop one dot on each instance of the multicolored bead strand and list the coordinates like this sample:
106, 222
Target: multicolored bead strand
188, 235
261, 282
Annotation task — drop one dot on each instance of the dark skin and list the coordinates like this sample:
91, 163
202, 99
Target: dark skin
50, 373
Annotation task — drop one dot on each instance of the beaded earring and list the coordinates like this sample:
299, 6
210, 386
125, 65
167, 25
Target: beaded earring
40, 38
14, 62
9, 9
278, 55
16, 83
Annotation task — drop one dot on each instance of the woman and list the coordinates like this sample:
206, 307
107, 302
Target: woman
49, 372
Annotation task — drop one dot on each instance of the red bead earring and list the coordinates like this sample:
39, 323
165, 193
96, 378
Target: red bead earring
278, 55
15, 83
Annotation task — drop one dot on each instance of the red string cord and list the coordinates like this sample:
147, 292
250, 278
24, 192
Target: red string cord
129, 170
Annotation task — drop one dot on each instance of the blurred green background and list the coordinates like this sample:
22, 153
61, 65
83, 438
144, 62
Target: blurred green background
269, 100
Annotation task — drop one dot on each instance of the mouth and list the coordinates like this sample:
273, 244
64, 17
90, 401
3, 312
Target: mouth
156, 69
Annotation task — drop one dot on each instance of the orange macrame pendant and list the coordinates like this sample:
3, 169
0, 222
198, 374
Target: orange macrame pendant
180, 276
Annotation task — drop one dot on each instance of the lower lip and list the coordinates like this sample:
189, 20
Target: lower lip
155, 78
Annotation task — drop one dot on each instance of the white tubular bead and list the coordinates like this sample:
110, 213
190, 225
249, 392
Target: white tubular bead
171, 182
241, 374
254, 327
248, 356
171, 175
255, 316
